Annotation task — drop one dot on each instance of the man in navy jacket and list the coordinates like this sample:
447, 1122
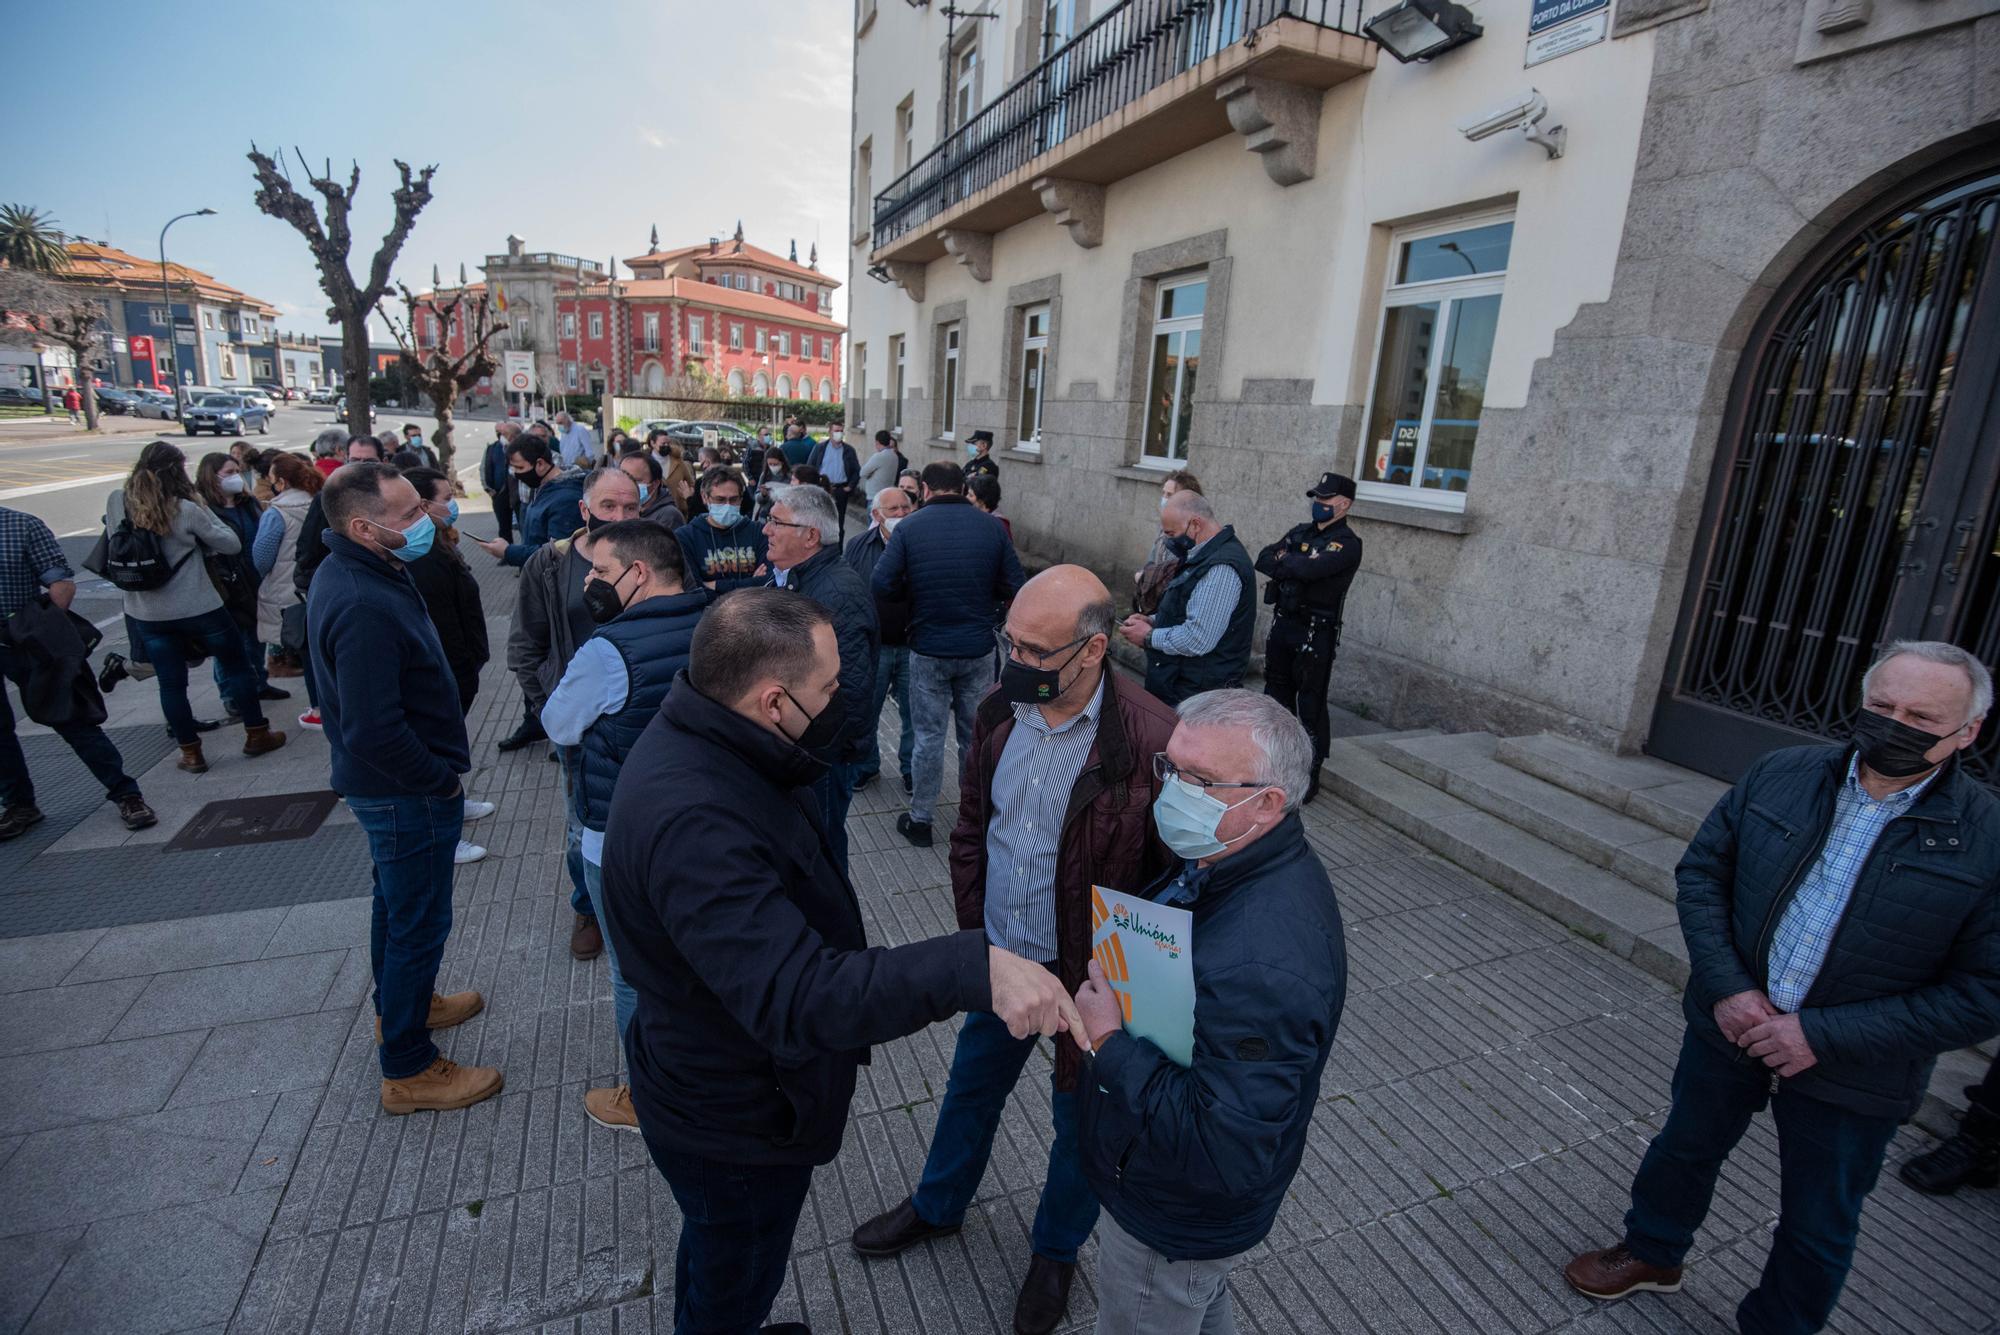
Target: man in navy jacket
397, 756
758, 994
952, 564
1193, 1162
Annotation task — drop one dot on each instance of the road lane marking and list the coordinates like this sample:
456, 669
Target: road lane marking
42, 488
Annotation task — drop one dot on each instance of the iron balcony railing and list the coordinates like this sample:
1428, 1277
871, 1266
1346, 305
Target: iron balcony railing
1133, 48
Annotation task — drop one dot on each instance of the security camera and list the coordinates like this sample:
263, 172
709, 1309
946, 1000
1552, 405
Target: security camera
1524, 113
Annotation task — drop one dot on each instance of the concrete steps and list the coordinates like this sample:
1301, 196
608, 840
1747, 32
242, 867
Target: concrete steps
1586, 837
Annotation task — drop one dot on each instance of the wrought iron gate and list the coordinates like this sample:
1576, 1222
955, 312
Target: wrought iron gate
1855, 499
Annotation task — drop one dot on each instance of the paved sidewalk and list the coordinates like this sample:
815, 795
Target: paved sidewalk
190, 1139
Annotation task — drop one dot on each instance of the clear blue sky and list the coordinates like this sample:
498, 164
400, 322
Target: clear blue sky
577, 126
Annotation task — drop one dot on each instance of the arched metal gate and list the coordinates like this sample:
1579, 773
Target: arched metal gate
1854, 500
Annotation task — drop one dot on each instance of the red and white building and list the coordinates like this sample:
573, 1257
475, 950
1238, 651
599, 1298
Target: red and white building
757, 322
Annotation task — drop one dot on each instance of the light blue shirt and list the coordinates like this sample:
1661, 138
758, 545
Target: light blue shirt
1031, 787
1209, 608
1805, 933
578, 446
833, 462
594, 684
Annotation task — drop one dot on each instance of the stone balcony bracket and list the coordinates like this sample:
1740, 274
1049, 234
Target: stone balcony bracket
1078, 207
910, 277
1278, 121
974, 250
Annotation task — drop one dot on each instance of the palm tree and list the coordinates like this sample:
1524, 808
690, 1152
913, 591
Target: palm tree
29, 240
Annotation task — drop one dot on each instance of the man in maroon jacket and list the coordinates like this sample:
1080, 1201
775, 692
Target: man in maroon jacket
1057, 793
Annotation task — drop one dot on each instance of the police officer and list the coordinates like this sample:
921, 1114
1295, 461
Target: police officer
979, 445
1309, 571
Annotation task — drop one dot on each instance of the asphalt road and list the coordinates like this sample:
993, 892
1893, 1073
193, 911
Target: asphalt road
63, 478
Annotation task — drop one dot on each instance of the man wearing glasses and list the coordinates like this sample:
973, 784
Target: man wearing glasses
1054, 797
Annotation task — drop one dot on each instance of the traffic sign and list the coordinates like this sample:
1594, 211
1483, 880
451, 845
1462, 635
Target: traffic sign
520, 371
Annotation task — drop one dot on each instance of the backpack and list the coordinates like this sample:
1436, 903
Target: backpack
135, 559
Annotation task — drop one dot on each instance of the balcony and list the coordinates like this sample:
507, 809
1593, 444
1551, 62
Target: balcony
1145, 82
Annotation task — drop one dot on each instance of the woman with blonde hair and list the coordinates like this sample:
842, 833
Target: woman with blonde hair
183, 615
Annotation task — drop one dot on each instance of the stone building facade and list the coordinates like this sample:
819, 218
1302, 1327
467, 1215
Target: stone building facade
1560, 513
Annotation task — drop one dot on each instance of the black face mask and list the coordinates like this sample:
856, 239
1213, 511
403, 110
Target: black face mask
591, 523
1180, 544
823, 727
530, 479
1893, 749
1024, 685
601, 600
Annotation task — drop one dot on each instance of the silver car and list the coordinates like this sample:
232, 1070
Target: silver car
155, 403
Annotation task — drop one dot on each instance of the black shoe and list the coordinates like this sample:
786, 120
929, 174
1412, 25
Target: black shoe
14, 822
909, 784
864, 780
1961, 1161
112, 672
896, 1231
205, 725
529, 732
917, 832
1044, 1296
273, 693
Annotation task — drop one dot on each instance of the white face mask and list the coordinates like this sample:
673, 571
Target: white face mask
233, 484
889, 524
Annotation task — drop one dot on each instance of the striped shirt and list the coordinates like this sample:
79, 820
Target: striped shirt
1209, 609
1031, 787
1805, 933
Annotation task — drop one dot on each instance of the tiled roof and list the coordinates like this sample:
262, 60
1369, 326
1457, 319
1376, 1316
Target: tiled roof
715, 295
726, 253
90, 262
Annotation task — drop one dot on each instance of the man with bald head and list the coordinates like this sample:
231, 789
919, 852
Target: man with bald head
1198, 639
1056, 795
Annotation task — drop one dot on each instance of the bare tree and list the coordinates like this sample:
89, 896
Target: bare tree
434, 370
348, 302
36, 308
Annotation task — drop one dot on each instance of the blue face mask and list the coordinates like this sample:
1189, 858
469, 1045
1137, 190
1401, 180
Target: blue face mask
1321, 513
451, 511
1187, 818
644, 492
725, 516
972, 450
416, 538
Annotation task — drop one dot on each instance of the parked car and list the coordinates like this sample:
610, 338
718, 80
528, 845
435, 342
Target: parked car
689, 435
257, 398
155, 403
652, 424
225, 415
276, 393
320, 394
14, 396
116, 402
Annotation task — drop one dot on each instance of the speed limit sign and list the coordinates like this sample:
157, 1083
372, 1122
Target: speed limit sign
520, 368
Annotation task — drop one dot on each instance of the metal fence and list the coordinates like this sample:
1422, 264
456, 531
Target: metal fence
1131, 49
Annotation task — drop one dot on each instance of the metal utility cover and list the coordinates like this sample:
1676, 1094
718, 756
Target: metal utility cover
254, 820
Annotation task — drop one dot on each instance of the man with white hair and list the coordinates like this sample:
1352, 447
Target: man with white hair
1843, 930
576, 446
1191, 1163
1198, 639
802, 539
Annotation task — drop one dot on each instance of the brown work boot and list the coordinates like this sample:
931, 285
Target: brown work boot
259, 740
1616, 1272
611, 1108
283, 665
446, 1011
191, 758
132, 809
586, 939
440, 1087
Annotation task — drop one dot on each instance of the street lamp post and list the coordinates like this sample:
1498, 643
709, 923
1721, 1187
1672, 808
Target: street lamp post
166, 296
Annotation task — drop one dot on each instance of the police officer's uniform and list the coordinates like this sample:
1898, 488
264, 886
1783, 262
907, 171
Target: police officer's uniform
1309, 570
981, 464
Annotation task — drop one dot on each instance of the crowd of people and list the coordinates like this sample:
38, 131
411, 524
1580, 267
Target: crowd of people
708, 644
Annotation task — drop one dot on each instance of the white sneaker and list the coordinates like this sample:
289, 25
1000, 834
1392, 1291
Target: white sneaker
467, 852
478, 811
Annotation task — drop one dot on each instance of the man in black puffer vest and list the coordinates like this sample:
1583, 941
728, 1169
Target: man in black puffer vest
1199, 637
1843, 929
610, 691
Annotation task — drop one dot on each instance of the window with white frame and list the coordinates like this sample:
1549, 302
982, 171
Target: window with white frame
1034, 375
1178, 306
965, 85
948, 383
597, 324
569, 324
906, 134
864, 193
826, 349
857, 373
208, 319
569, 375
735, 337
898, 370
650, 331
763, 341
1440, 311
697, 332
158, 315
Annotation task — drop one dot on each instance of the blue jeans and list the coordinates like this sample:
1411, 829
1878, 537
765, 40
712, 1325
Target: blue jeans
623, 999
835, 792
1828, 1159
410, 841
892, 673
737, 1222
942, 690
167, 645
984, 1068
1141, 1292
92, 747
253, 649
579, 888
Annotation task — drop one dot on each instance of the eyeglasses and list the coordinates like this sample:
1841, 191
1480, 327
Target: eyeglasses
1038, 657
786, 523
1165, 769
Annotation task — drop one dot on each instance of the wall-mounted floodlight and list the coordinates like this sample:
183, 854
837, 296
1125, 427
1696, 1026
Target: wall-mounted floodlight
1420, 29
1525, 113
